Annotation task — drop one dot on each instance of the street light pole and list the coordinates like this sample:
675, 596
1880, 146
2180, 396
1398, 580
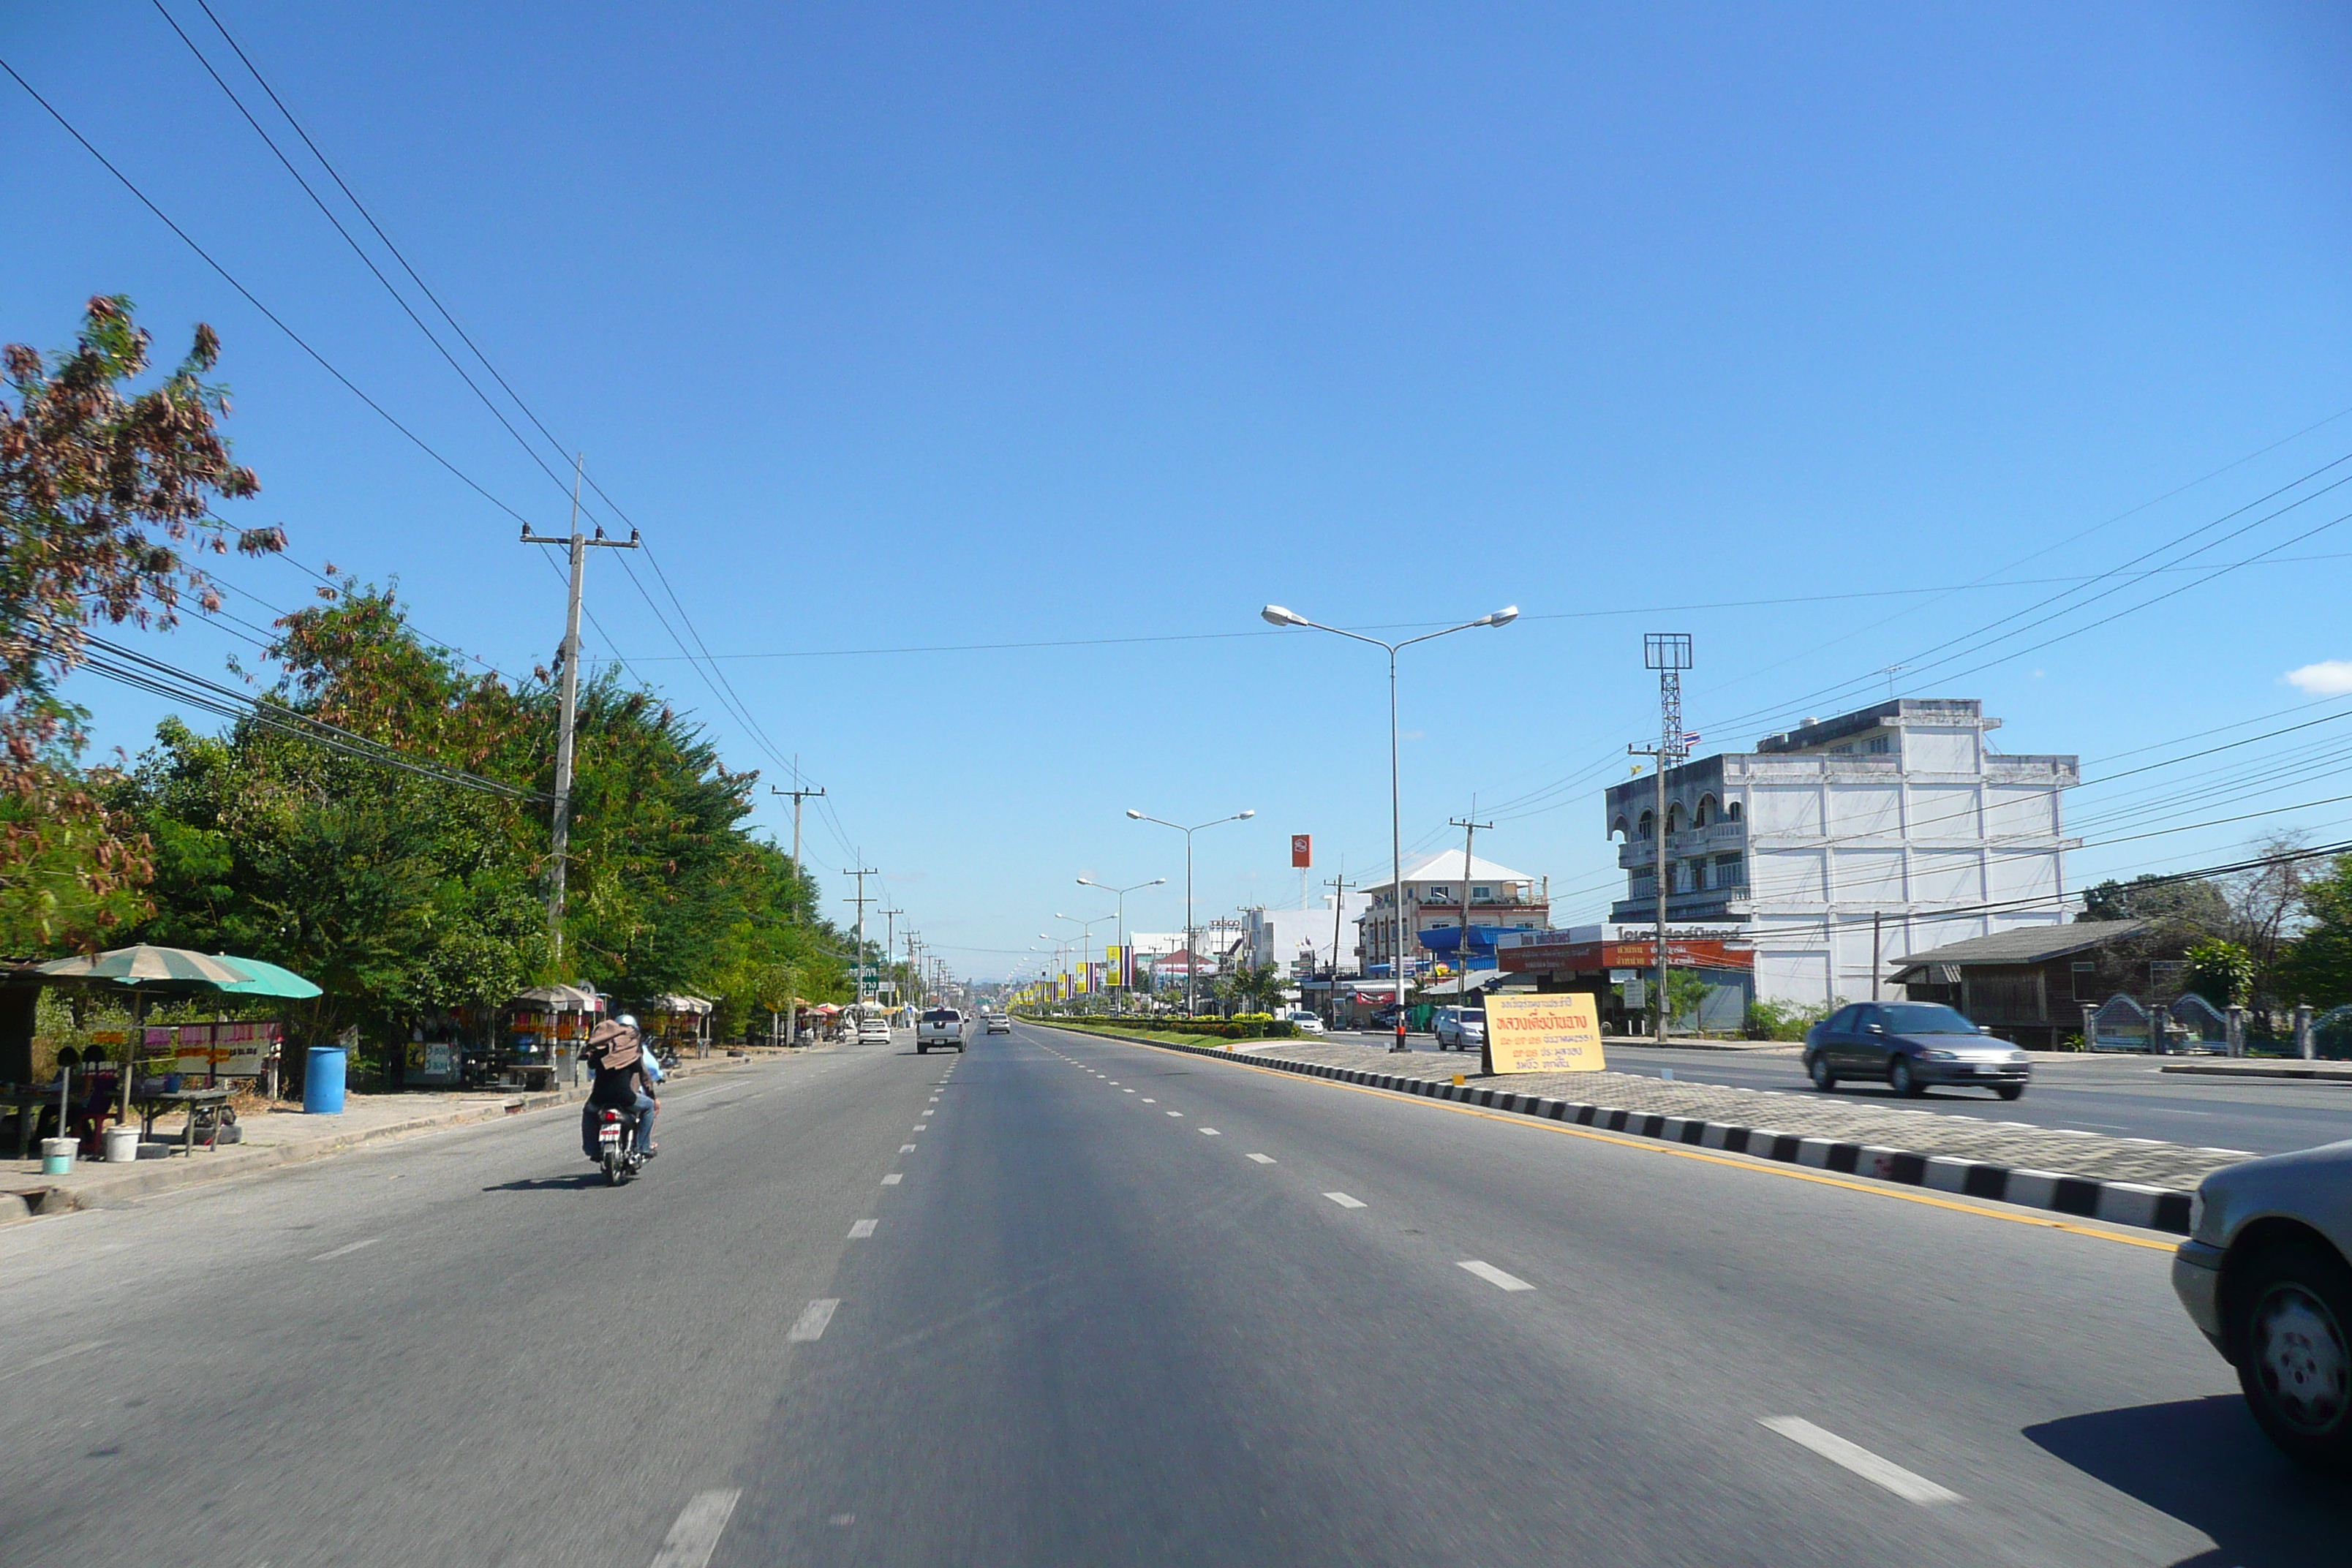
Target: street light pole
1282, 617
1191, 959
1126, 959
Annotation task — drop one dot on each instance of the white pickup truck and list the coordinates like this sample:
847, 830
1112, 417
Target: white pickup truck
941, 1026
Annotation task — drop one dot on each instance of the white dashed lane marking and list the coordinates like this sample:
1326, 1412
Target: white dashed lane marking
1211, 1131
346, 1250
862, 1229
1861, 1461
1494, 1276
1175, 1113
813, 1316
1344, 1201
905, 1148
1262, 1159
695, 1534
893, 1179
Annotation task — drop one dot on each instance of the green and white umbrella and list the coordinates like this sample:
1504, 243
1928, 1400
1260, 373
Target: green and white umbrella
153, 969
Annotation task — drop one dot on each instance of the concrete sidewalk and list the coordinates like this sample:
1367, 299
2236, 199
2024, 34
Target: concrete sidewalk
283, 1135
2268, 1067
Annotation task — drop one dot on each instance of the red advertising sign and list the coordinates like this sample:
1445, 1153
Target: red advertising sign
1302, 850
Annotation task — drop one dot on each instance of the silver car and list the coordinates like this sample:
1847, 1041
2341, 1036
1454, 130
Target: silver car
2263, 1274
1459, 1028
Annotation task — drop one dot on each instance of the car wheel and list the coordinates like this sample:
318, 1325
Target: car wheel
1824, 1079
922, 1050
2288, 1323
2008, 1090
1902, 1080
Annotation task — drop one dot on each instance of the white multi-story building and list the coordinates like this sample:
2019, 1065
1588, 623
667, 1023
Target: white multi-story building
1437, 896
1289, 938
1902, 811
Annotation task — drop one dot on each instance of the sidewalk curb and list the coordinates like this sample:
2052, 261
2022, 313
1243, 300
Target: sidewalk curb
2085, 1197
148, 1178
2325, 1074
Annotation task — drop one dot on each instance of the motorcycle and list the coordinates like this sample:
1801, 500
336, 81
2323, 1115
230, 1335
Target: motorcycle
616, 1145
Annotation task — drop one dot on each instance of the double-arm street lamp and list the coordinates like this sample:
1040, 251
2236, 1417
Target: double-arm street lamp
1502, 617
1191, 959
1126, 959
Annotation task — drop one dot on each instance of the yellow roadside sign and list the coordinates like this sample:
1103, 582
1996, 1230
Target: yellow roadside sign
1531, 1032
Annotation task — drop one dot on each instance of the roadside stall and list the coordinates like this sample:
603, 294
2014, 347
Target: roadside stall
679, 1025
543, 1032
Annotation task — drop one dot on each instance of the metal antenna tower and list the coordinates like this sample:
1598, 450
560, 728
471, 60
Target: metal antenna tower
1668, 653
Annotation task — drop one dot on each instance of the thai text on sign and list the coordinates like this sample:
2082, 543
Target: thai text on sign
1536, 1033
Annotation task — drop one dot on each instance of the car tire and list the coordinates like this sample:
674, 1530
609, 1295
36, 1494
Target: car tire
1903, 1080
2289, 1324
922, 1050
2009, 1090
1824, 1079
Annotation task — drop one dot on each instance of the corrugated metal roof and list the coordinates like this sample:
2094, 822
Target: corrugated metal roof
2024, 944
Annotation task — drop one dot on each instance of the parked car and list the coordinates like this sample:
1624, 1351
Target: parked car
1308, 1022
2264, 1275
1909, 1045
1459, 1028
873, 1030
941, 1027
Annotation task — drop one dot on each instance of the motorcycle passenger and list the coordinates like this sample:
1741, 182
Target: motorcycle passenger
623, 1083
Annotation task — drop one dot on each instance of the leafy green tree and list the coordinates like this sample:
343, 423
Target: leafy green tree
2191, 902
2220, 971
1686, 991
2317, 966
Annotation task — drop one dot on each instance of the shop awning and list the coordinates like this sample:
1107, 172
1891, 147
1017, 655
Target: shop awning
677, 1005
560, 999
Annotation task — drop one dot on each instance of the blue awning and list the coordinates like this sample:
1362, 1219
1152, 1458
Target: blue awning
1448, 939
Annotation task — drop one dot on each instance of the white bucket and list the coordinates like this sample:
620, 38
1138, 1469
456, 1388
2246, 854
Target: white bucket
121, 1145
56, 1156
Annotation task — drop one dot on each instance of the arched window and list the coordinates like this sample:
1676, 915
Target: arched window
1707, 811
1674, 819
1649, 825
1619, 828
1732, 812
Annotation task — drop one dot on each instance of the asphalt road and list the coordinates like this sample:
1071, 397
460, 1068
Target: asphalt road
1121, 1306
2116, 1096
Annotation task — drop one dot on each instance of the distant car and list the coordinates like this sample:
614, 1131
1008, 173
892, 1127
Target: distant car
1459, 1028
999, 1024
1909, 1045
1305, 1022
941, 1027
873, 1031
2264, 1274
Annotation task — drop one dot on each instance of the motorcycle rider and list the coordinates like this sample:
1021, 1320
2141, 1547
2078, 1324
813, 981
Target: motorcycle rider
616, 1054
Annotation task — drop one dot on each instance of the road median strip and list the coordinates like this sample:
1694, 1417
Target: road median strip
1927, 1149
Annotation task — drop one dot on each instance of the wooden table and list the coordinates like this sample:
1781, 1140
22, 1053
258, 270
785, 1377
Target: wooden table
29, 1104
154, 1103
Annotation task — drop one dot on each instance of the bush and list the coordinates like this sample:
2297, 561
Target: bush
1247, 1026
1769, 1020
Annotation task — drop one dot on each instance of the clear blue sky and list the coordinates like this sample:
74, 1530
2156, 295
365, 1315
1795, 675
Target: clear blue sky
916, 325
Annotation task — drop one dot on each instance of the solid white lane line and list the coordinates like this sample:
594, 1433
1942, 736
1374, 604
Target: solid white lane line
1211, 1131
893, 1179
905, 1148
813, 1316
695, 1534
1262, 1159
1860, 1460
1494, 1276
53, 1358
862, 1229
346, 1250
1344, 1201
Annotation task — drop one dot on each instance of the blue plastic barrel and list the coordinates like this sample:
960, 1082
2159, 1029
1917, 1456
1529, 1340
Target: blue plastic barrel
322, 1081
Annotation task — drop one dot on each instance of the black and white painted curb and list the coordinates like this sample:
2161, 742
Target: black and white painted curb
2119, 1203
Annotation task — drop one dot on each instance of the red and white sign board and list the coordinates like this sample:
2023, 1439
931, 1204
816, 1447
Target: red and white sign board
1302, 850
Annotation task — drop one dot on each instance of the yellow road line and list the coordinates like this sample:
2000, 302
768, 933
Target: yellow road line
1651, 1145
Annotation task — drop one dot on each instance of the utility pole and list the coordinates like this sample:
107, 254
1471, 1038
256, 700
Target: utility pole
568, 713
861, 900
1877, 917
890, 940
798, 795
1668, 653
1339, 886
1469, 835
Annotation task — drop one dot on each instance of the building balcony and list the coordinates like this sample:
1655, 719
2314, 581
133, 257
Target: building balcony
1714, 838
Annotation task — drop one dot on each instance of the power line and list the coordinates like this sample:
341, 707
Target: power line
271, 316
